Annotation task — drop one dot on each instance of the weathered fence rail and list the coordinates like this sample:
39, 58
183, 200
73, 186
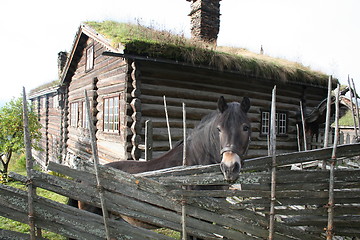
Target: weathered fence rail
317, 141
237, 213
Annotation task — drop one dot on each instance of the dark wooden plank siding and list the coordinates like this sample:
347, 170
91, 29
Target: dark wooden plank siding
106, 79
54, 125
49, 116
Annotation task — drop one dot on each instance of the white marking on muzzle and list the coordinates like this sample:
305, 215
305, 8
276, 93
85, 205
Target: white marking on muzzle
230, 165
230, 158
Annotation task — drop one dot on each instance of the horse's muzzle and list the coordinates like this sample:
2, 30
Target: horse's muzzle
230, 165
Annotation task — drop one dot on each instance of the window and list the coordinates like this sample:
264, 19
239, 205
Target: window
265, 122
89, 58
43, 104
280, 121
111, 114
55, 101
85, 118
74, 114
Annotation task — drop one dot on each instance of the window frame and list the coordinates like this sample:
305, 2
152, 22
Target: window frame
282, 128
84, 116
74, 114
55, 103
111, 114
281, 125
89, 63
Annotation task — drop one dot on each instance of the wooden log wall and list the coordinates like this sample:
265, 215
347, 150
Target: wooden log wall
136, 111
63, 104
49, 116
54, 128
200, 88
43, 155
107, 79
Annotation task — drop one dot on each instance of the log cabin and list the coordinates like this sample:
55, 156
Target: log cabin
46, 104
127, 69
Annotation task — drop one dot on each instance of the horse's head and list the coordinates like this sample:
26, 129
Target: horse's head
234, 133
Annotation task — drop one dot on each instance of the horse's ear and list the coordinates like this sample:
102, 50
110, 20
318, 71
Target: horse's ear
222, 105
245, 104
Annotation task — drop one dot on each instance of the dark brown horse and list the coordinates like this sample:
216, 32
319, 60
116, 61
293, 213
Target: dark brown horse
221, 137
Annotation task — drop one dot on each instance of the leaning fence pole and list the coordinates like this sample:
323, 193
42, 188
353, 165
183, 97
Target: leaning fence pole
331, 205
273, 169
352, 107
29, 167
356, 105
327, 123
298, 137
183, 207
148, 140
303, 125
167, 122
96, 163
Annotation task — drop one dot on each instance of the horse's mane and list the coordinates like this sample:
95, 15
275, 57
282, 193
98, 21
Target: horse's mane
201, 142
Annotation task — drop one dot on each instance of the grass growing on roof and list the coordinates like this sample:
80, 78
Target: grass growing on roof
150, 42
45, 86
347, 120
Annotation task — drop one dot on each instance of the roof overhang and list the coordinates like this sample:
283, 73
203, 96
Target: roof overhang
45, 91
85, 30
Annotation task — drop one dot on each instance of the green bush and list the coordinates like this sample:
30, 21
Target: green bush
19, 163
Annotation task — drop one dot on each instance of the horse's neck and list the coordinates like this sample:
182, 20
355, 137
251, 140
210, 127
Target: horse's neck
202, 149
172, 158
204, 145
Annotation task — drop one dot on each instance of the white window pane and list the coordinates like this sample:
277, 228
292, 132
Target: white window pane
106, 115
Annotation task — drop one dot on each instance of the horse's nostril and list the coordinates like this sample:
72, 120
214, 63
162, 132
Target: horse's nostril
236, 167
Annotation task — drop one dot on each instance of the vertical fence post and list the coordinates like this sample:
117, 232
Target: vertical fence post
298, 137
183, 208
273, 169
148, 140
96, 163
303, 126
352, 108
330, 225
167, 122
327, 123
356, 105
29, 167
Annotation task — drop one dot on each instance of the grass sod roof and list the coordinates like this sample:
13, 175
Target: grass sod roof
347, 120
149, 42
44, 87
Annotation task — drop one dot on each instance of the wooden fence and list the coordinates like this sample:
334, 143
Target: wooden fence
317, 141
157, 197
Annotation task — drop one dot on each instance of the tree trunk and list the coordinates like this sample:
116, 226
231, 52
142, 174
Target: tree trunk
5, 164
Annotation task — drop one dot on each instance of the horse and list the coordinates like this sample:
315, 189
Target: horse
222, 136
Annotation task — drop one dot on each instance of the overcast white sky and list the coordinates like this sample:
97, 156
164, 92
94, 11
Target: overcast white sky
322, 34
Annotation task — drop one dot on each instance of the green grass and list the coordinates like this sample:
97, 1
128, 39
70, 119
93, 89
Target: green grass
169, 233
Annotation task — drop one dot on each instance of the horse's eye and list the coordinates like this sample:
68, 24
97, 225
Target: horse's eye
246, 128
218, 129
